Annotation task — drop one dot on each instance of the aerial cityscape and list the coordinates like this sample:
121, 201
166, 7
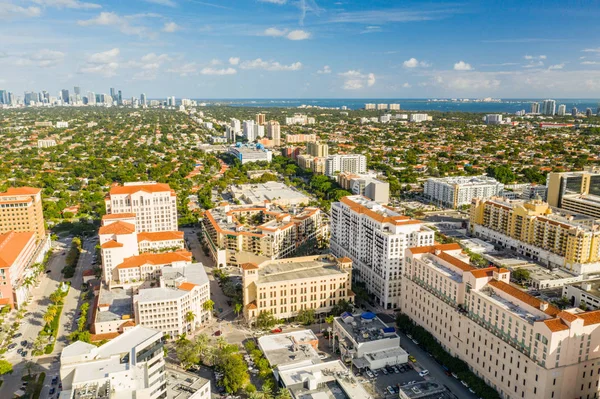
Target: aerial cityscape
299, 199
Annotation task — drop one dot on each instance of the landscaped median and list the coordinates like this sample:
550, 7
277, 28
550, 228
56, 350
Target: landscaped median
48, 335
457, 366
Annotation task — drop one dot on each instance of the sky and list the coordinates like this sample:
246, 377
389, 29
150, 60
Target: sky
303, 48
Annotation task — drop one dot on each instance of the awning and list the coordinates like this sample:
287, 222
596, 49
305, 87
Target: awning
360, 362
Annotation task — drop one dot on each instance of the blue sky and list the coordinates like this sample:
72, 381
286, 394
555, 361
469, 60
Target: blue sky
303, 48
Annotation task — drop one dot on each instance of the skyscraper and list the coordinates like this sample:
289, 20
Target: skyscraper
91, 98
120, 100
588, 112
64, 95
143, 99
574, 111
77, 90
535, 108
260, 119
274, 132
562, 110
113, 92
549, 107
3, 97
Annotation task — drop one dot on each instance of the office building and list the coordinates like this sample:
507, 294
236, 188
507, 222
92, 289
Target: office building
260, 119
372, 188
143, 101
285, 286
300, 138
21, 210
532, 229
181, 291
274, 132
153, 204
562, 110
3, 97
19, 251
518, 344
535, 108
493, 119
250, 153
77, 90
130, 366
274, 192
548, 107
375, 238
249, 233
457, 191
353, 163
418, 117
317, 149
367, 342
561, 184
64, 95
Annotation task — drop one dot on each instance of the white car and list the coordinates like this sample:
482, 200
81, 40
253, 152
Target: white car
423, 373
369, 374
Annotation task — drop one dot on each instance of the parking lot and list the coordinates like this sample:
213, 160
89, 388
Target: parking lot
382, 381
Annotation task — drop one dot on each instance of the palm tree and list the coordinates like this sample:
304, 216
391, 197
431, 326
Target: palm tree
56, 297
209, 305
53, 310
237, 308
221, 342
189, 318
283, 393
48, 318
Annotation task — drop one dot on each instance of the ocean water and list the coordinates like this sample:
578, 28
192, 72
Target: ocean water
502, 106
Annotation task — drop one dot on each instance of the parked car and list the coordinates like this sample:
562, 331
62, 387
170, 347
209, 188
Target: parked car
276, 330
369, 374
415, 341
409, 336
454, 375
48, 271
17, 335
24, 353
384, 371
412, 359
19, 351
471, 390
12, 346
54, 380
464, 383
395, 369
52, 390
390, 390
423, 373
217, 333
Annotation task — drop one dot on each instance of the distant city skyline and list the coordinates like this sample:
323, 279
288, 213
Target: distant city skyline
301, 49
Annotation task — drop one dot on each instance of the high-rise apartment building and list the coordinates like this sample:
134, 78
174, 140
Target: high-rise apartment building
532, 229
418, 117
143, 101
283, 287
353, 163
249, 131
518, 344
260, 119
316, 149
129, 366
456, 191
369, 106
562, 110
64, 95
21, 210
375, 237
394, 107
560, 184
535, 108
574, 111
153, 204
274, 132
548, 107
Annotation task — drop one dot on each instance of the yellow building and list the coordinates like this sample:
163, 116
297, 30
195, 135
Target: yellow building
583, 182
317, 149
21, 210
285, 286
532, 229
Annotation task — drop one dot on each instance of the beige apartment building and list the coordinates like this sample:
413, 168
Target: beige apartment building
247, 233
274, 132
285, 286
518, 344
532, 229
153, 204
320, 150
21, 210
585, 182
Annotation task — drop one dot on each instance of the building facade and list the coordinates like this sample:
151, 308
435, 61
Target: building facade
375, 237
285, 286
456, 191
353, 163
154, 205
21, 210
274, 132
518, 344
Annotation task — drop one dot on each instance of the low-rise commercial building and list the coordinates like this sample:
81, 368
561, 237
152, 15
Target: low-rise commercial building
285, 286
47, 143
274, 192
367, 342
518, 344
247, 154
456, 191
130, 366
240, 234
584, 293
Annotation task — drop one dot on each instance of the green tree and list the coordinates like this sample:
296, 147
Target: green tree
521, 275
5, 367
283, 393
265, 320
306, 316
235, 373
342, 306
209, 305
187, 353
237, 308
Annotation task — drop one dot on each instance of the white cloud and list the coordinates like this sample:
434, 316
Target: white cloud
279, 2
274, 32
326, 69
153, 58
354, 79
74, 4
168, 3
590, 63
270, 65
534, 64
462, 66
145, 74
216, 61
106, 70
8, 10
406, 85
190, 68
298, 35
45, 57
220, 72
535, 57
556, 66
170, 27
113, 19
234, 60
414, 63
591, 50
104, 57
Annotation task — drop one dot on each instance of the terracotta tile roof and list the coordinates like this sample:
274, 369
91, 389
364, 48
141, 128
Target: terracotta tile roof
252, 306
187, 286
118, 216
20, 191
397, 220
111, 244
117, 228
160, 236
567, 316
102, 337
149, 188
345, 259
432, 248
4, 301
11, 246
590, 318
464, 266
128, 323
156, 259
556, 325
523, 297
249, 266
483, 273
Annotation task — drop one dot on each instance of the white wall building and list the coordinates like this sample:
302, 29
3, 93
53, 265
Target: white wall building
128, 367
46, 143
374, 237
418, 117
248, 131
456, 191
353, 163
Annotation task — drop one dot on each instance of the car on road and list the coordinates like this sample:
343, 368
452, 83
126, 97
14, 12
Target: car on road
390, 390
423, 373
48, 271
409, 336
52, 390
454, 375
471, 390
54, 380
464, 383
63, 253
12, 346
412, 359
415, 341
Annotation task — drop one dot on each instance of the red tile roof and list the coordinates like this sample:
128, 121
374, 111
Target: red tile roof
111, 244
11, 246
149, 188
523, 297
118, 216
187, 286
432, 248
156, 259
118, 228
249, 266
160, 236
20, 191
